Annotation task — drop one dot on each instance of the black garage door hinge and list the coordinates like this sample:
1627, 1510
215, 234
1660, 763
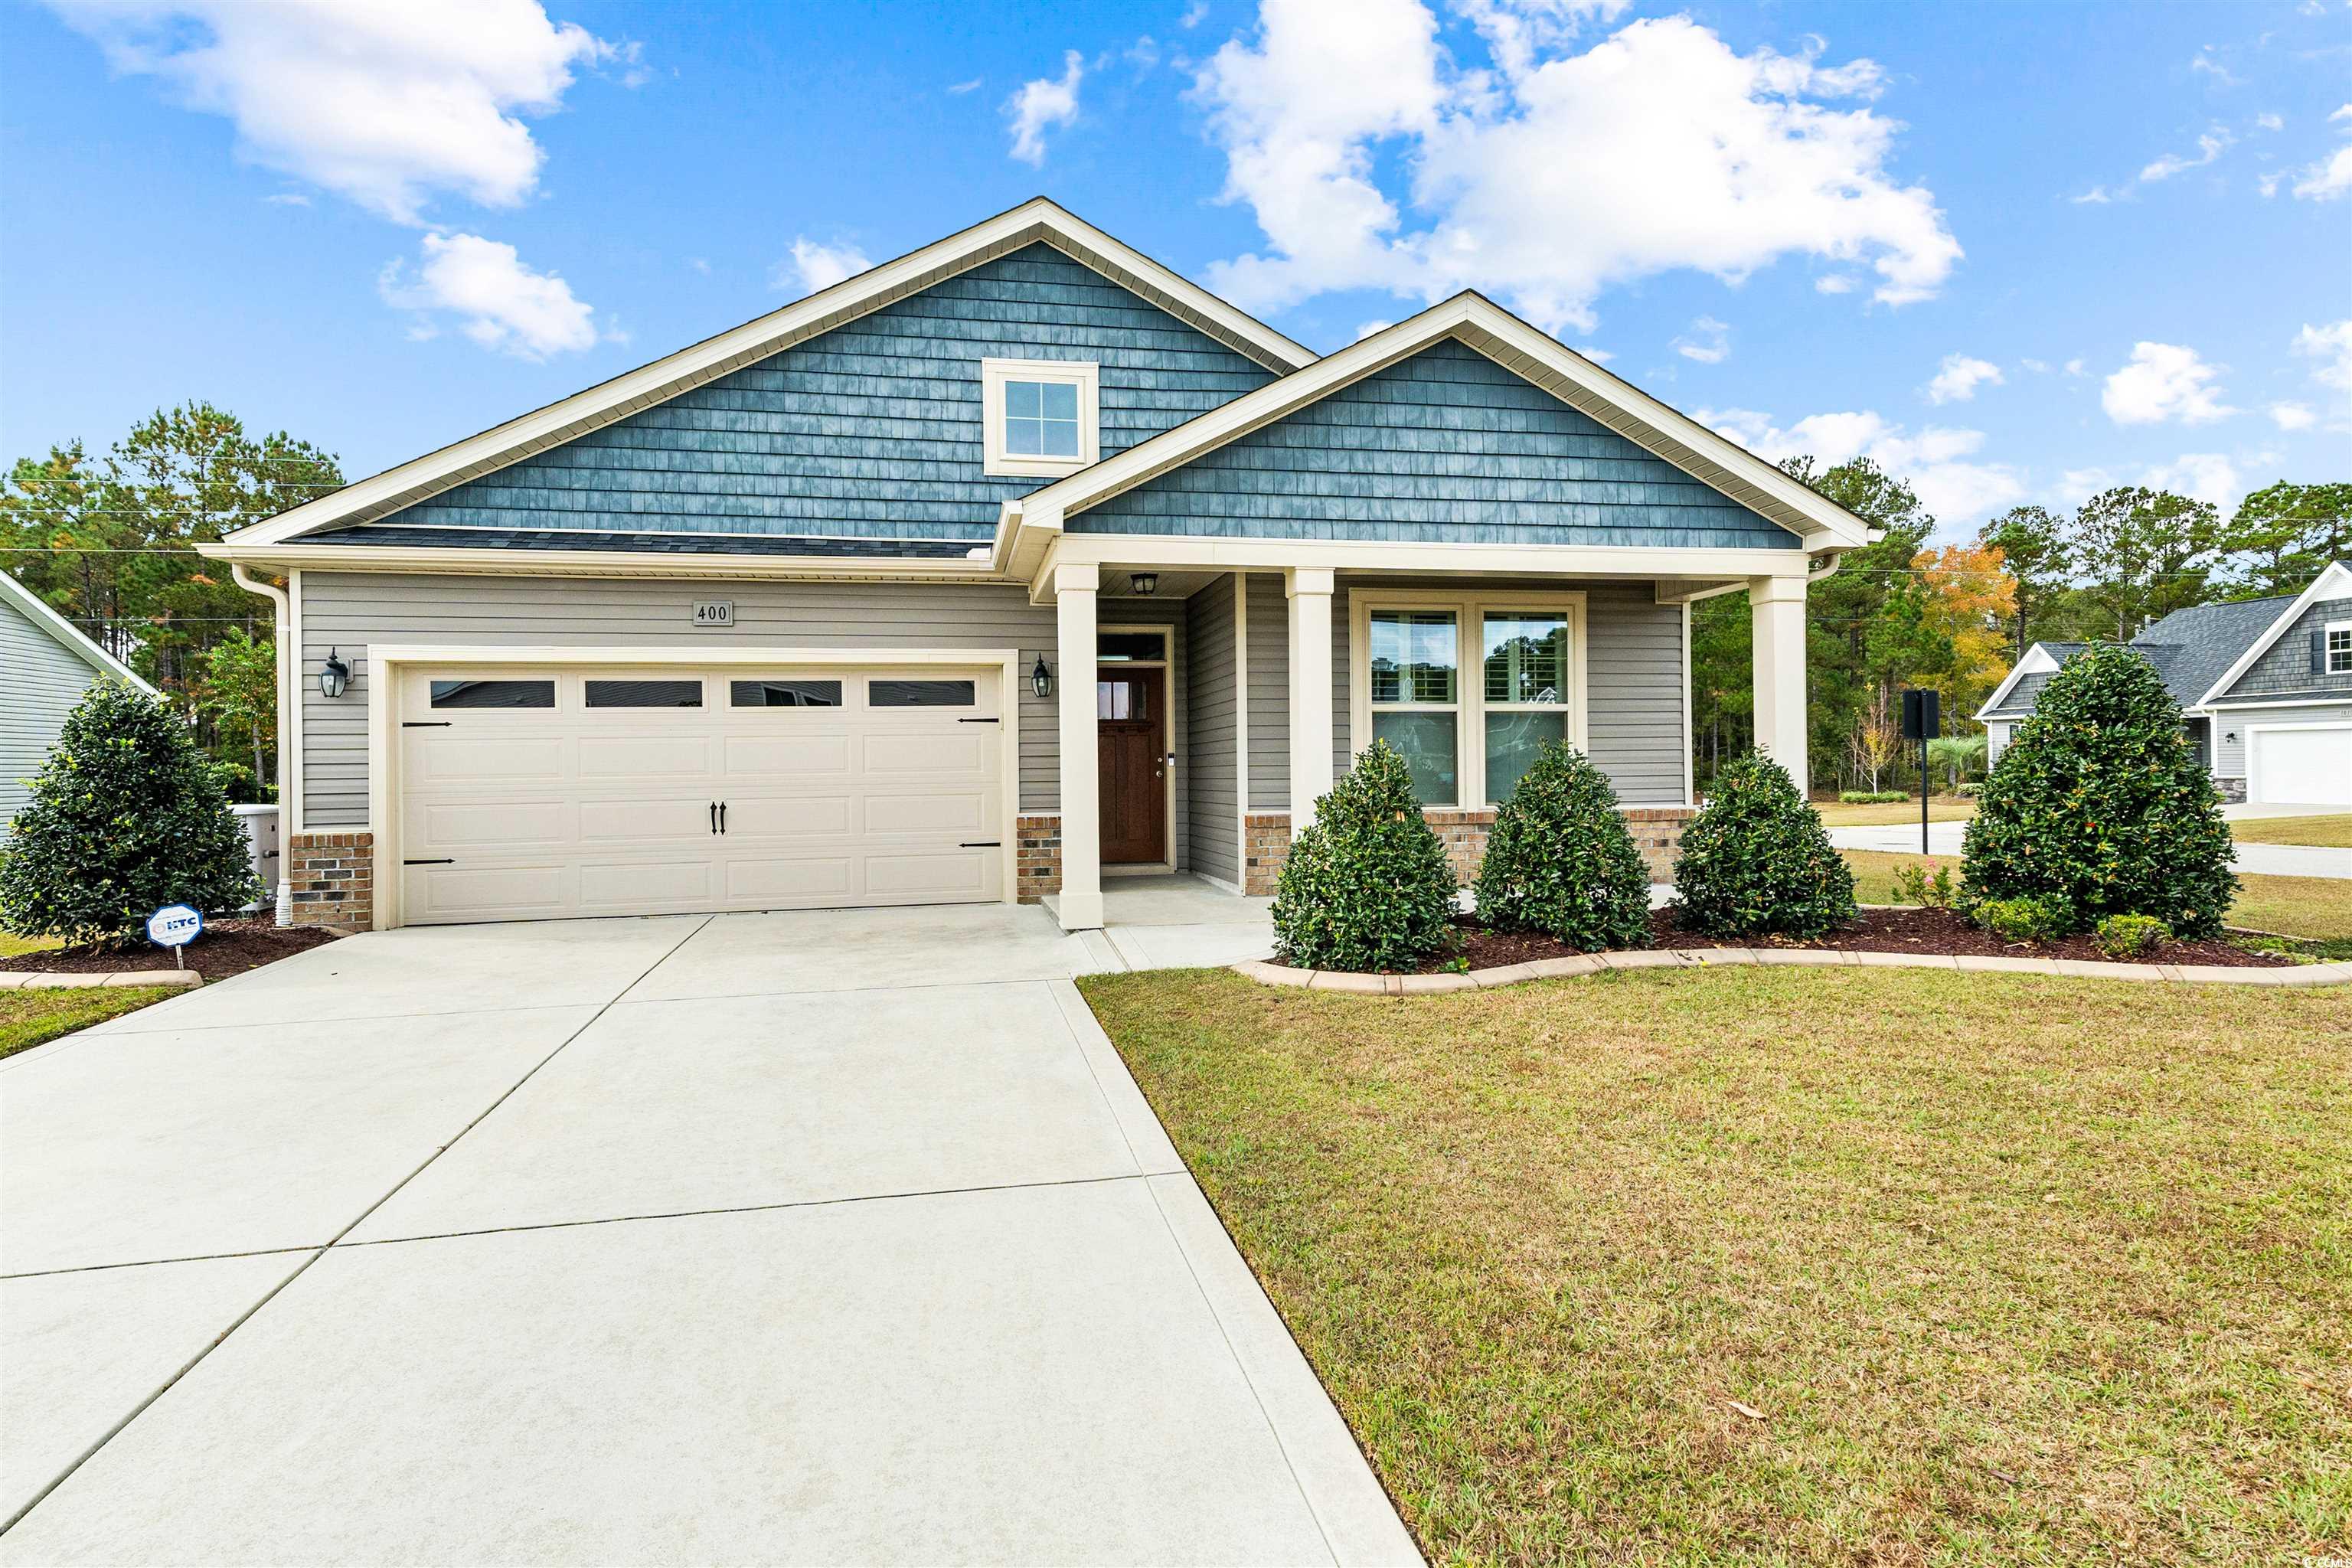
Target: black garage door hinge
981, 844
426, 723
980, 720
444, 861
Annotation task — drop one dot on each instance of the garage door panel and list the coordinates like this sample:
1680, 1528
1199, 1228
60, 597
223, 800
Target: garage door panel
2307, 765
548, 812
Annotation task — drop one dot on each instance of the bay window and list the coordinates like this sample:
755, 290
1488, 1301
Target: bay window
1467, 741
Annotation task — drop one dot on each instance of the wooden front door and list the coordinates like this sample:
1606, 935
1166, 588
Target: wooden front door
1131, 710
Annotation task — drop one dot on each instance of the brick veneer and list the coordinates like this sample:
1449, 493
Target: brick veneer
334, 879
1657, 833
1037, 857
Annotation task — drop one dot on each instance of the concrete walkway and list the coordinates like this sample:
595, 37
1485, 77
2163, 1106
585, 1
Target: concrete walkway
752, 1239
2253, 859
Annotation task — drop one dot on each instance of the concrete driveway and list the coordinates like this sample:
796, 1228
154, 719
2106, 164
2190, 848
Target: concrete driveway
750, 1238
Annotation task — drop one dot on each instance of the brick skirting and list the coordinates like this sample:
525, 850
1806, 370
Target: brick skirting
1657, 833
333, 876
1037, 857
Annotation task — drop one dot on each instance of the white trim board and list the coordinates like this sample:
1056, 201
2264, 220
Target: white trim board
1518, 347
388, 665
2037, 657
2337, 573
1033, 221
67, 635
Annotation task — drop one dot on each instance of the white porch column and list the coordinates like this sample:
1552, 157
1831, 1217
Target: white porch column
1310, 692
1081, 902
1776, 608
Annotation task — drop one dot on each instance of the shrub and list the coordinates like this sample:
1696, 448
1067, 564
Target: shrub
1560, 860
1913, 886
1756, 861
2129, 936
2032, 919
2100, 801
126, 816
1870, 796
1366, 886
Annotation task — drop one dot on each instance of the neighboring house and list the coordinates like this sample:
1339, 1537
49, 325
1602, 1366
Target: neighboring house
44, 667
2265, 688
1009, 565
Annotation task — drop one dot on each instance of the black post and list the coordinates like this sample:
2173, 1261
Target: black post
1922, 721
1923, 794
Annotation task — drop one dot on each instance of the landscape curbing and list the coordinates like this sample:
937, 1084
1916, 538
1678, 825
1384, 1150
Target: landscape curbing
58, 980
1718, 957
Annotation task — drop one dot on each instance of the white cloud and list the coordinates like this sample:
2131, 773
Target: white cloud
505, 305
811, 267
961, 88
2075, 367
1192, 14
2210, 146
1707, 342
2270, 122
2097, 195
2332, 175
1518, 31
1834, 283
2331, 346
386, 104
2164, 381
2200, 475
1541, 179
2038, 366
1931, 461
1366, 328
1958, 378
2207, 64
2293, 416
1042, 104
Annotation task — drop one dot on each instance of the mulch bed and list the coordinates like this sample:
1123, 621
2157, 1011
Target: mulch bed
227, 947
1878, 931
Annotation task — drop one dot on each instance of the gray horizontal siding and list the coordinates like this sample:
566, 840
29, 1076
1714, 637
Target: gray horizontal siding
872, 429
40, 682
1443, 445
1213, 709
2230, 724
1269, 693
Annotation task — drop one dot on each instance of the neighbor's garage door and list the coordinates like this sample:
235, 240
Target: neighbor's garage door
535, 793
2304, 764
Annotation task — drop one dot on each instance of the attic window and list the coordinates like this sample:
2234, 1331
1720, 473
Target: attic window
1040, 417
2339, 647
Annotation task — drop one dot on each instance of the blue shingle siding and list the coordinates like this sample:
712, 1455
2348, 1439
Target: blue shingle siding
1447, 446
871, 431
2296, 667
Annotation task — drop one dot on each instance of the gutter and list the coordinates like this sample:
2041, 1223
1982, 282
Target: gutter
287, 678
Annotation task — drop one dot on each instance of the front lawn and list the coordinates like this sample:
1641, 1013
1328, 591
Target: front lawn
28, 1019
1795, 1265
12, 944
1940, 809
2319, 908
2325, 832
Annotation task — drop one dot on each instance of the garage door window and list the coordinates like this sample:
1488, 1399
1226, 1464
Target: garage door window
645, 694
919, 694
494, 694
784, 693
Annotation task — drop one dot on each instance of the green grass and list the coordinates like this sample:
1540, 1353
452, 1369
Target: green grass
1940, 809
2011, 1270
2325, 832
28, 1019
11, 945
2319, 908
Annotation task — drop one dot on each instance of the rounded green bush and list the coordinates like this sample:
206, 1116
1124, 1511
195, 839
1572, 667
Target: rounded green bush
1560, 860
2100, 801
2036, 918
126, 817
1366, 886
1756, 860
2129, 936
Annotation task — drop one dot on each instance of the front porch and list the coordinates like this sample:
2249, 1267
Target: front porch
1271, 679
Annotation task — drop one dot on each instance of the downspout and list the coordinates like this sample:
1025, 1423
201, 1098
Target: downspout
286, 676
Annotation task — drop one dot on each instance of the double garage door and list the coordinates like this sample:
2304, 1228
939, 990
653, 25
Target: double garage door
535, 793
2299, 765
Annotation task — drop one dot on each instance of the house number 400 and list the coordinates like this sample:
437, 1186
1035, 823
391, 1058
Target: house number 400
714, 613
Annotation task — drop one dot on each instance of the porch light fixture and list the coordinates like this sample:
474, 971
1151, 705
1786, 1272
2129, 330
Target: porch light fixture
334, 676
1143, 584
1041, 680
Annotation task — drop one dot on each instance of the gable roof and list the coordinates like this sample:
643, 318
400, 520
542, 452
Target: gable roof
1486, 327
67, 635
1034, 221
2336, 581
2021, 686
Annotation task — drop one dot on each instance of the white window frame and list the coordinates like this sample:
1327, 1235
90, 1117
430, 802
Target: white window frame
2327, 649
1469, 706
994, 373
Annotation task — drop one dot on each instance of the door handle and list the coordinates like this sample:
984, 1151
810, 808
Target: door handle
722, 817
714, 817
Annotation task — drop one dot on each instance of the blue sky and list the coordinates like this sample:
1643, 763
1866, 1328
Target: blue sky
2017, 252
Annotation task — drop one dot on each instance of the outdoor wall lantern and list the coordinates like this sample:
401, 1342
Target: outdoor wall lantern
334, 676
1041, 680
1144, 583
